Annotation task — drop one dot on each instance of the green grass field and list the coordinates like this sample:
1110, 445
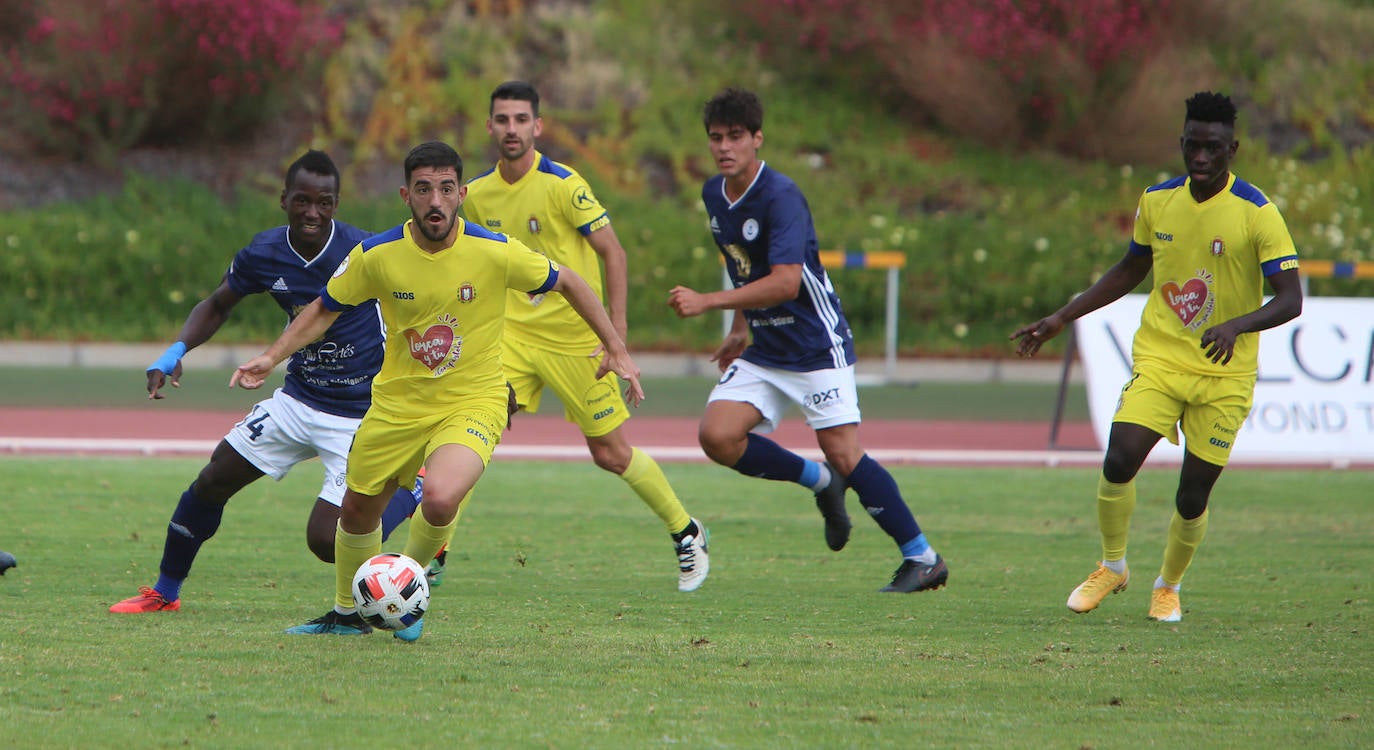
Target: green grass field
560, 626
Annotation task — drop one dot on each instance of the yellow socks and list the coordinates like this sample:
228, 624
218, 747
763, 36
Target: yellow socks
1185, 536
647, 480
350, 552
425, 540
1115, 504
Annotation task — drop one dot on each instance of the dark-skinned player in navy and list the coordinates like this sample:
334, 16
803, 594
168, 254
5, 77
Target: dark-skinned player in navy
802, 350
327, 388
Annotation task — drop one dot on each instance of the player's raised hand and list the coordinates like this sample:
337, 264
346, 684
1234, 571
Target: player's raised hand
157, 379
1036, 334
252, 374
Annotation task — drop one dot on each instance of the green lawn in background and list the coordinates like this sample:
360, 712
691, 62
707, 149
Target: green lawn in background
676, 396
559, 624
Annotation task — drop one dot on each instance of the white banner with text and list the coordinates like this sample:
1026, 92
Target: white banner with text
1314, 399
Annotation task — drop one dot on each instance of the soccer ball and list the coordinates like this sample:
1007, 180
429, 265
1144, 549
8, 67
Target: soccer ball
391, 591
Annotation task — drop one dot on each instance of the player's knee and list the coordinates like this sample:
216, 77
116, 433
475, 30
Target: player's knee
720, 445
209, 489
1191, 501
611, 459
1118, 466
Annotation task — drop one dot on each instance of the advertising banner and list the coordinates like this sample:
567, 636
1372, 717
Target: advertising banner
1314, 399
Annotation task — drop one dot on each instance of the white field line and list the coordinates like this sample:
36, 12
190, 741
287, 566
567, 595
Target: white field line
670, 453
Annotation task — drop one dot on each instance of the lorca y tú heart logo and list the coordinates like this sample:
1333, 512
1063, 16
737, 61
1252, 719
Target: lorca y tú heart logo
1188, 302
435, 346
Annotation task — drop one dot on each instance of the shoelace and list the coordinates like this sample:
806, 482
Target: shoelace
687, 554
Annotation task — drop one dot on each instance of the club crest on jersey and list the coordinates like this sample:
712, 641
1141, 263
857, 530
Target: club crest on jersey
437, 347
1218, 247
534, 225
342, 266
467, 292
750, 230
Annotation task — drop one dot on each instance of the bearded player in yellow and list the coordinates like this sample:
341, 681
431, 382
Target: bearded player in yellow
1212, 240
439, 399
550, 207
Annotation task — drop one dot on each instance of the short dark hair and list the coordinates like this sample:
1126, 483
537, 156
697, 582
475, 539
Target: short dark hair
734, 107
1206, 106
316, 162
518, 90
433, 154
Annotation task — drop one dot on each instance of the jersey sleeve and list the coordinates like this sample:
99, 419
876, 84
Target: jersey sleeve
580, 206
351, 283
1142, 234
240, 276
528, 270
1273, 242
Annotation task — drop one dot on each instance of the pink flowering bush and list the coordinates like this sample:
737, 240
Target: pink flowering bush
89, 78
1019, 71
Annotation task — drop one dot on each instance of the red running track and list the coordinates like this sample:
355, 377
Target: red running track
180, 432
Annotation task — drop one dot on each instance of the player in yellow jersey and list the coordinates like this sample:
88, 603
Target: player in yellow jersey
439, 399
551, 208
1212, 241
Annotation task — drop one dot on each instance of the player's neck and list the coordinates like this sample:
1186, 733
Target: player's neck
736, 186
512, 171
1205, 191
432, 246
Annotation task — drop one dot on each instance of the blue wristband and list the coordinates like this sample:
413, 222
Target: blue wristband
169, 359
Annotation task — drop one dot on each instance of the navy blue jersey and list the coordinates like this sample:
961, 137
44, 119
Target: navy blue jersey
333, 374
771, 224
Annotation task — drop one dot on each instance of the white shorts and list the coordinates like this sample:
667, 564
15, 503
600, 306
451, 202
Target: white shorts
827, 398
281, 432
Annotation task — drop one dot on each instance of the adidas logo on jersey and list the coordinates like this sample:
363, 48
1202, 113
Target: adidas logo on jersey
280, 285
715, 226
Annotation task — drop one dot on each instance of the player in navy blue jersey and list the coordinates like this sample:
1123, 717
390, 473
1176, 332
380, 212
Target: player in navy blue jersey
802, 351
327, 388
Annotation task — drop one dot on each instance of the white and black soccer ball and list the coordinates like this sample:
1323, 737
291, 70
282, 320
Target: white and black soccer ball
390, 591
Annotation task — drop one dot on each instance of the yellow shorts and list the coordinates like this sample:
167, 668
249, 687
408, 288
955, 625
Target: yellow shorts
387, 448
595, 406
1211, 409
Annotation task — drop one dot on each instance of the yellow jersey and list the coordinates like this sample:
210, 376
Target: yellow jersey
444, 312
1210, 260
551, 209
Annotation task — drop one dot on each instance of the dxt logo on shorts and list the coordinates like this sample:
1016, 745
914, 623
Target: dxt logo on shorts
816, 399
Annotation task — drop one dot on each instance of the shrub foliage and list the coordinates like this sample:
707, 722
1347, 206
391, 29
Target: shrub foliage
90, 78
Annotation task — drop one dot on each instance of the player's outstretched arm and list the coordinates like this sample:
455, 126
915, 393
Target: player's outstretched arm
201, 324
782, 283
1114, 284
312, 322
